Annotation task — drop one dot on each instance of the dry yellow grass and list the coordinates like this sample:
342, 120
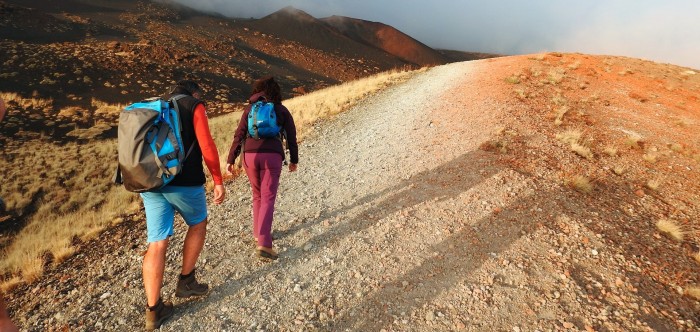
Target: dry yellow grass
26, 103
619, 170
650, 157
633, 142
581, 150
653, 184
570, 136
513, 79
581, 184
675, 147
671, 229
556, 75
573, 137
693, 291
77, 194
696, 257
561, 111
610, 151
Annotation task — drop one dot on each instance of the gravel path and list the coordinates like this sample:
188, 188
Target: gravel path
397, 220
378, 193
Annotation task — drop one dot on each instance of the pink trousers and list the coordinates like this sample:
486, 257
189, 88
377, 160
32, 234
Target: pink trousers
263, 170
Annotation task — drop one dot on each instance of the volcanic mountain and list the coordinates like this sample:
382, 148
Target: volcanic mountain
387, 38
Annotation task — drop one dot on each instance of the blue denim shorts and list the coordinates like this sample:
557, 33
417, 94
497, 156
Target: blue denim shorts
160, 206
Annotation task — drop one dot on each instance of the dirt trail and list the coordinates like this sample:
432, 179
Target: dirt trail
397, 220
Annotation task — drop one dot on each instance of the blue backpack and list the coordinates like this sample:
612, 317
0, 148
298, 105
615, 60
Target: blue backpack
262, 120
149, 144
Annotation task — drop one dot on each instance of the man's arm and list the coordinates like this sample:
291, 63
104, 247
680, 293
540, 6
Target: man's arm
209, 152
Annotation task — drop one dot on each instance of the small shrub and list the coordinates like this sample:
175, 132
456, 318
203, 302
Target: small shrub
653, 184
633, 142
494, 145
559, 100
521, 94
556, 76
650, 157
560, 115
619, 170
696, 257
581, 150
610, 151
570, 136
675, 147
625, 72
671, 228
513, 79
693, 292
581, 184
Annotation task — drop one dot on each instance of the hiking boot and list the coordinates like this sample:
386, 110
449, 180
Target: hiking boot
158, 314
188, 286
265, 252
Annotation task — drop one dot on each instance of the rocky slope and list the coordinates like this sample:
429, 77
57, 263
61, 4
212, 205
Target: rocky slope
444, 203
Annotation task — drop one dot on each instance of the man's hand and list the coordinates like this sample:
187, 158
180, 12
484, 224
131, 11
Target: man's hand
219, 194
292, 167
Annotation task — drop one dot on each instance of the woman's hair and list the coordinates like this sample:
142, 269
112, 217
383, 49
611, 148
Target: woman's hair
271, 89
191, 86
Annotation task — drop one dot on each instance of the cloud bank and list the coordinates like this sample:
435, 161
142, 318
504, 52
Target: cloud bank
660, 31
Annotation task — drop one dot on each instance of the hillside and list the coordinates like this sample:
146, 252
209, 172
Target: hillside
68, 67
79, 55
519, 193
387, 38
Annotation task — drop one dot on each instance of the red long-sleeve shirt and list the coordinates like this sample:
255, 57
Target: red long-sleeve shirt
206, 143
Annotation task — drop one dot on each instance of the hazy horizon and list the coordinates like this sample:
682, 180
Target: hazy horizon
647, 29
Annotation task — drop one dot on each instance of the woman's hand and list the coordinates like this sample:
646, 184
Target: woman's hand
229, 169
292, 167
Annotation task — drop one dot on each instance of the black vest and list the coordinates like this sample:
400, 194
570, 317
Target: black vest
192, 173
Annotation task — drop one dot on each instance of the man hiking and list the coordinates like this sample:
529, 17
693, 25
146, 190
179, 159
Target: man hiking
186, 195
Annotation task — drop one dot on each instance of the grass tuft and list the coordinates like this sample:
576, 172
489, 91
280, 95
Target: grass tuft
671, 229
610, 151
619, 170
633, 142
581, 150
513, 79
676, 147
570, 136
693, 292
696, 257
653, 184
559, 120
581, 184
650, 157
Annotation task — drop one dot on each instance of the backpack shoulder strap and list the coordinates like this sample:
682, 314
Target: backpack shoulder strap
174, 100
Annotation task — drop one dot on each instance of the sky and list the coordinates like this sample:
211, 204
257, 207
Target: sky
663, 31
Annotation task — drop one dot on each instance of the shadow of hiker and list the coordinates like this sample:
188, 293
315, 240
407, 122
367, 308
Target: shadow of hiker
444, 182
459, 256
454, 259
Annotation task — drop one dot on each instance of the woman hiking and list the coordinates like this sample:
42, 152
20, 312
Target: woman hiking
263, 156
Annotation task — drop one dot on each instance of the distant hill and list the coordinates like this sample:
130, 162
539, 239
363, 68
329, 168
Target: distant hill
388, 39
